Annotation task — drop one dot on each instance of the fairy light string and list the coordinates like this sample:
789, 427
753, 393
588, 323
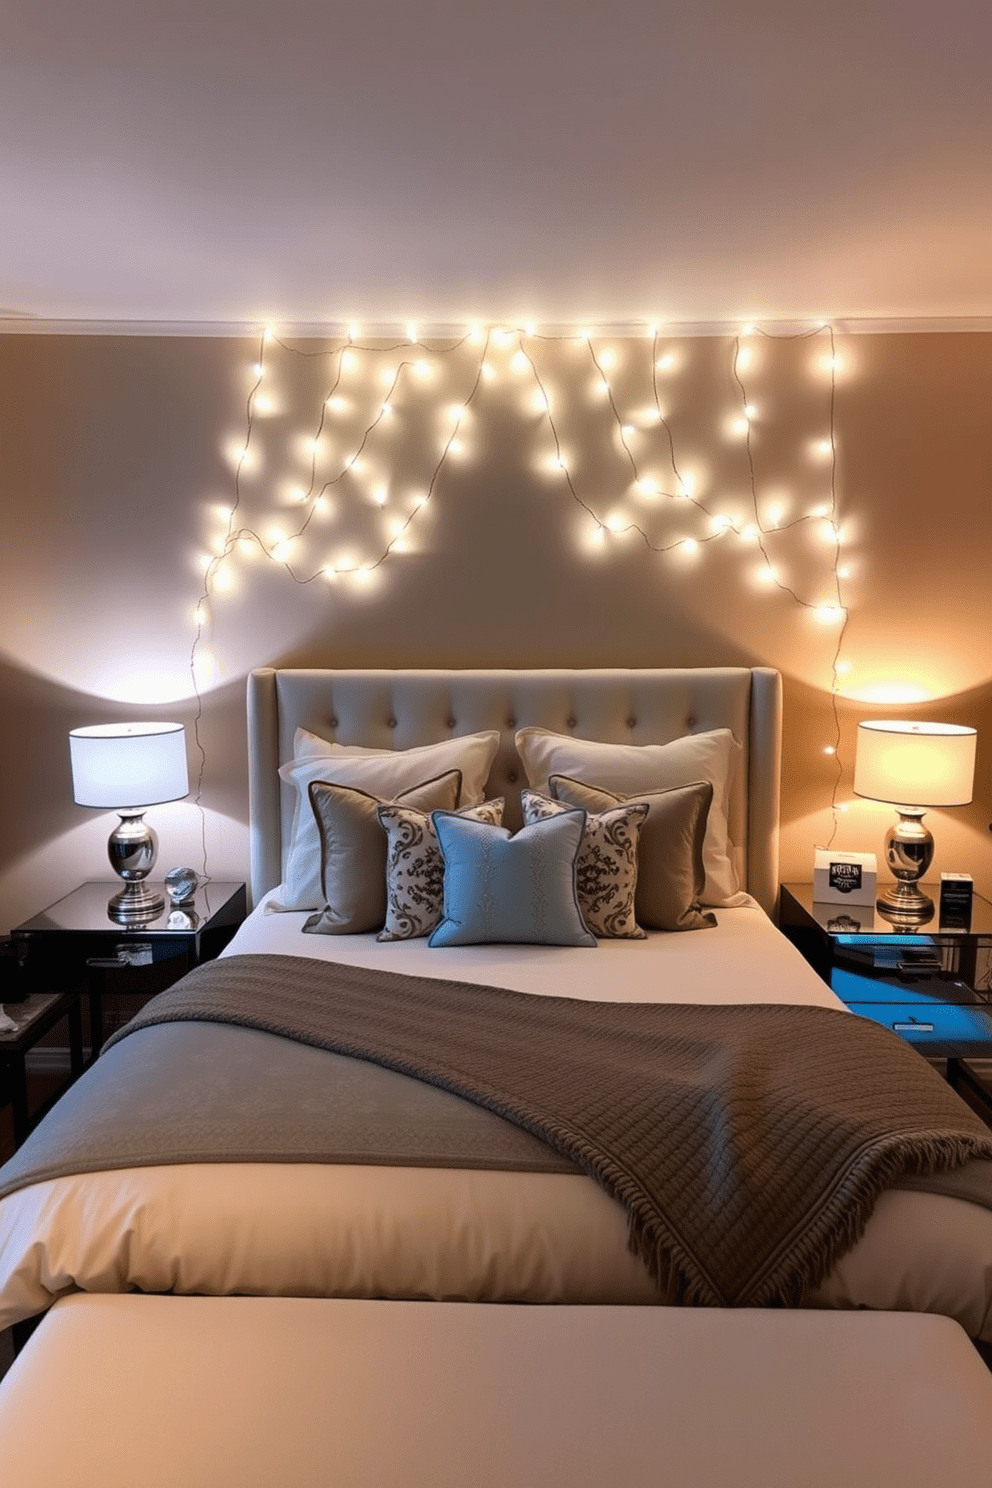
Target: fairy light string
640, 447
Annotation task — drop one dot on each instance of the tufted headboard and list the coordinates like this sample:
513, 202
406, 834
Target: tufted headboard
399, 709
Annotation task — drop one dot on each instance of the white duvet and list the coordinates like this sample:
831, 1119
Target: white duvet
340, 1230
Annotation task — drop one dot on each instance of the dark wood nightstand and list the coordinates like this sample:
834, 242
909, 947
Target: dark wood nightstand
74, 945
33, 1018
931, 984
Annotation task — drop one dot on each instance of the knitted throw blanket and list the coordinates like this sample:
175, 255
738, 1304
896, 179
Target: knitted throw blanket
748, 1144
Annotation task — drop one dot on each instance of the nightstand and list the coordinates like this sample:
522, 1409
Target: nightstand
75, 945
33, 1018
931, 984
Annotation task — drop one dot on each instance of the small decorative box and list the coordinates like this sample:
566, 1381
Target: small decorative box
844, 878
956, 892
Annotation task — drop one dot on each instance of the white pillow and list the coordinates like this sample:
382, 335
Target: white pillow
379, 772
629, 768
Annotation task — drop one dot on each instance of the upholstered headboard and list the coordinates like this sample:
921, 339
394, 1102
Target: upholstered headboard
399, 709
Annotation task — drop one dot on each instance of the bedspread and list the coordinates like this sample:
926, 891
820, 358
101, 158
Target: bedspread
778, 1128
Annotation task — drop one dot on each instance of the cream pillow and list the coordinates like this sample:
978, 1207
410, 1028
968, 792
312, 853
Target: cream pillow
628, 769
383, 773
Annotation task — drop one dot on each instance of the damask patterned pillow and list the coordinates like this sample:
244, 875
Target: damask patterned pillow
415, 867
606, 870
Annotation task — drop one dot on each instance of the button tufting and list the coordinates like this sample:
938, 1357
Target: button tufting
570, 722
390, 722
631, 722
511, 723
334, 723
451, 722
690, 722
511, 776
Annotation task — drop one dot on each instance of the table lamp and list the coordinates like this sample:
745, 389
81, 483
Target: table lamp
128, 767
913, 766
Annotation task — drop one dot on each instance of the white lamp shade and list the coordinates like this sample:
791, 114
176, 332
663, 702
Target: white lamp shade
118, 765
915, 764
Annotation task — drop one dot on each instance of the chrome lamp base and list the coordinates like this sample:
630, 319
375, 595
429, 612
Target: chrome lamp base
908, 853
131, 849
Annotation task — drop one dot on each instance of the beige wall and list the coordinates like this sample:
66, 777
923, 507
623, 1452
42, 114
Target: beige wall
117, 468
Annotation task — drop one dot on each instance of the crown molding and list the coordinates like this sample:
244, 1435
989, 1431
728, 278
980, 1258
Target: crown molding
431, 330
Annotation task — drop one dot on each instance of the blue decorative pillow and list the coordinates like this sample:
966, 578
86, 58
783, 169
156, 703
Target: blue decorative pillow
517, 889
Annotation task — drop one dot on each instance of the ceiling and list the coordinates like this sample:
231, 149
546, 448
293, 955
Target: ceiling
315, 162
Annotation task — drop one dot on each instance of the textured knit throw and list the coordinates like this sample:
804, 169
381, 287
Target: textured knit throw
748, 1144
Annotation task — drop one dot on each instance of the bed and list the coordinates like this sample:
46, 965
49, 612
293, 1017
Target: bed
387, 1221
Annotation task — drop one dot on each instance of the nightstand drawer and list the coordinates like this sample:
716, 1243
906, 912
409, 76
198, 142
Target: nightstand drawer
938, 1030
938, 987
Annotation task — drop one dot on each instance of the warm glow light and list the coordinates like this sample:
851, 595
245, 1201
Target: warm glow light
629, 411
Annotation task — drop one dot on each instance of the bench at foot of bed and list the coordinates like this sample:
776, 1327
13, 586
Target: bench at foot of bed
237, 1392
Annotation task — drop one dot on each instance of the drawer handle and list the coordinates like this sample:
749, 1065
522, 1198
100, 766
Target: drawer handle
912, 1027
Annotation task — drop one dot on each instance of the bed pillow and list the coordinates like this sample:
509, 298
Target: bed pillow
510, 889
353, 851
606, 870
631, 769
473, 754
384, 773
670, 849
415, 867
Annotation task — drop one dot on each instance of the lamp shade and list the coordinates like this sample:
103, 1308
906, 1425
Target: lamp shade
119, 765
915, 764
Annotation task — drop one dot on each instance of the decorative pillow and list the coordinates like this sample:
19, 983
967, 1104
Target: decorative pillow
670, 850
517, 889
382, 773
631, 769
415, 867
353, 851
606, 870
